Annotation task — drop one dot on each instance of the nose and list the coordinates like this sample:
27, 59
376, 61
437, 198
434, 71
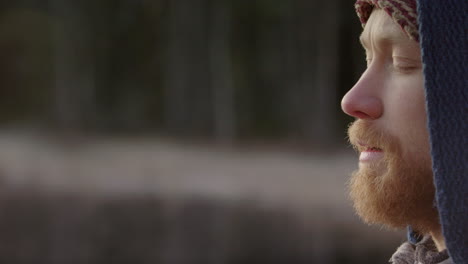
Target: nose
363, 101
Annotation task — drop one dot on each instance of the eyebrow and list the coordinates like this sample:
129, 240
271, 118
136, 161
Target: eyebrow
386, 37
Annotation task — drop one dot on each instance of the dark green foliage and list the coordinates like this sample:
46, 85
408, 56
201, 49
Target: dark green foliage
160, 66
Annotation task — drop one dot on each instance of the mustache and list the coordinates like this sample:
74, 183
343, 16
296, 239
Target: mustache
363, 134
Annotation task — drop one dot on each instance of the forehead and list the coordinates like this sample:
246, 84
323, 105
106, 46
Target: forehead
381, 28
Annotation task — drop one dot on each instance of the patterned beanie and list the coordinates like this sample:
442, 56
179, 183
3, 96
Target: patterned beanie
401, 11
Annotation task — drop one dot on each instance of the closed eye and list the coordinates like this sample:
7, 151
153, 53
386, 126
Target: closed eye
405, 65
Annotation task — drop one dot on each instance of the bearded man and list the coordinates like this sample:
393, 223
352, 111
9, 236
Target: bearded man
394, 184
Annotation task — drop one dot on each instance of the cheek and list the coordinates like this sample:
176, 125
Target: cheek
404, 98
405, 112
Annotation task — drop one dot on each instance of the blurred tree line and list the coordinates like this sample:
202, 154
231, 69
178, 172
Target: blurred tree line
217, 69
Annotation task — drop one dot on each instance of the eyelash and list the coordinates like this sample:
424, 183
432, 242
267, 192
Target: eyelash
402, 68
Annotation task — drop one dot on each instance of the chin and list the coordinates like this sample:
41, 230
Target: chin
394, 194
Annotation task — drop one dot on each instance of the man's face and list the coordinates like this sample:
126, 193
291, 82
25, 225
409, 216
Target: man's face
393, 185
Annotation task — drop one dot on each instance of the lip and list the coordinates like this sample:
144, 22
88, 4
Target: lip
369, 154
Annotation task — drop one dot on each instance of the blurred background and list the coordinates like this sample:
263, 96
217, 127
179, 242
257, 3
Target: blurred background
179, 132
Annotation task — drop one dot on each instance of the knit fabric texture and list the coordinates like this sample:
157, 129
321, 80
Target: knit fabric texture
402, 11
443, 30
424, 252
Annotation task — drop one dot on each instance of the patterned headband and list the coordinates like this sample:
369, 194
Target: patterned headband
401, 11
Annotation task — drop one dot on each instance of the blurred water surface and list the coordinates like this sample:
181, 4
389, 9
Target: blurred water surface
150, 200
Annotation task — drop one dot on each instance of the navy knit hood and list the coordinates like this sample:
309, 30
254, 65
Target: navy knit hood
443, 37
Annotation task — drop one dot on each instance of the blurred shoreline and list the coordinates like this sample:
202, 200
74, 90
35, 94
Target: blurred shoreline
146, 165
157, 201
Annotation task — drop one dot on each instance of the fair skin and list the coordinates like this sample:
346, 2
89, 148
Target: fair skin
389, 96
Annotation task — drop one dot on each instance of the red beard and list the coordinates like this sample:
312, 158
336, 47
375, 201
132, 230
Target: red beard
396, 190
